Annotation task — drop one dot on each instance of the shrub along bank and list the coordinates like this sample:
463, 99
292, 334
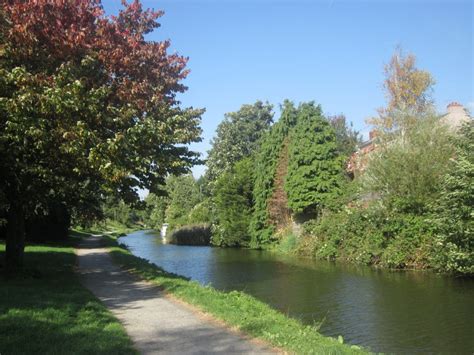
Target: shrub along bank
237, 309
199, 234
371, 236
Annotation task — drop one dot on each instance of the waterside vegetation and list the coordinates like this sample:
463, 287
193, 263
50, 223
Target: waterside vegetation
302, 186
236, 309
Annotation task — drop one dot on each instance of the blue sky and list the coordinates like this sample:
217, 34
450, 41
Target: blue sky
332, 52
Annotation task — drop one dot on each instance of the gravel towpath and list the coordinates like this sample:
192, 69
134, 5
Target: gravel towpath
155, 323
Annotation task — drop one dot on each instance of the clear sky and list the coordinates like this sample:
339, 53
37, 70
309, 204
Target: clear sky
332, 52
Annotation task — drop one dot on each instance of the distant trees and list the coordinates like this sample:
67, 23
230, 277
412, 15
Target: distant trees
155, 210
238, 137
183, 195
87, 107
233, 204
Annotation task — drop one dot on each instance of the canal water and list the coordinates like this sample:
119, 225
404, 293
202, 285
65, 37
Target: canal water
391, 312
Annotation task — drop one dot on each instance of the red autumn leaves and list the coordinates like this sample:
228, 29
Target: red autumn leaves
46, 33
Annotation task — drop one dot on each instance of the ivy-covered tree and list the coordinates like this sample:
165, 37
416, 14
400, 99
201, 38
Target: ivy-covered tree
314, 167
233, 200
87, 107
266, 163
238, 137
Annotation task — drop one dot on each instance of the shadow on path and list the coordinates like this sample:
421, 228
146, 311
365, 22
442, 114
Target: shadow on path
155, 323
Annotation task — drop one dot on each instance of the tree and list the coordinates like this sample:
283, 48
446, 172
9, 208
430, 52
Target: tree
266, 164
347, 138
408, 92
412, 148
314, 166
454, 209
406, 172
233, 201
183, 195
237, 137
156, 207
87, 107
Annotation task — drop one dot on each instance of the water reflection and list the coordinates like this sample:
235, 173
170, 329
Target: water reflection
387, 311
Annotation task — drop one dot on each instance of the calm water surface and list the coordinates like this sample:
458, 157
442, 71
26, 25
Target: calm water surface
401, 312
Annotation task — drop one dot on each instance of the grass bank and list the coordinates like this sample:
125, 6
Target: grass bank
237, 309
46, 310
113, 228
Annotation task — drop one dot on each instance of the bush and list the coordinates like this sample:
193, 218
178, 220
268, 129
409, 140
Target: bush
406, 170
370, 236
199, 234
454, 249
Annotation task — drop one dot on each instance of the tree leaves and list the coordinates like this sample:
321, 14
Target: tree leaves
86, 97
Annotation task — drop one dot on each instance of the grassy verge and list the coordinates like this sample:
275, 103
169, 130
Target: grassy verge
237, 309
45, 309
113, 228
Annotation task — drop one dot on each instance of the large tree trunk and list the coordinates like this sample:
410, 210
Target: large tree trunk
15, 237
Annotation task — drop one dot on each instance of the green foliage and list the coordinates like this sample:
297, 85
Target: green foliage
265, 167
314, 169
182, 204
233, 203
183, 196
372, 236
288, 243
314, 176
156, 208
455, 209
406, 170
238, 137
201, 213
117, 210
347, 138
88, 108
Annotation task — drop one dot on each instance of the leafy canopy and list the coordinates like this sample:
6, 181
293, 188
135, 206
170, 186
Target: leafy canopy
233, 200
408, 93
238, 136
86, 103
406, 172
87, 108
454, 209
315, 168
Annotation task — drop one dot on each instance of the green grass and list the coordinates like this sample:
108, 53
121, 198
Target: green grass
237, 309
109, 227
45, 309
